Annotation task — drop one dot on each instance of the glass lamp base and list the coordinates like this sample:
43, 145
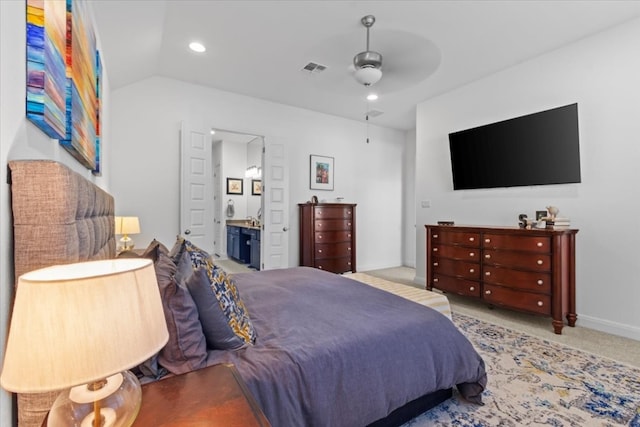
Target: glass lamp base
118, 398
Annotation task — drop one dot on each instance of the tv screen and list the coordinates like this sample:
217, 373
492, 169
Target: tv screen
536, 149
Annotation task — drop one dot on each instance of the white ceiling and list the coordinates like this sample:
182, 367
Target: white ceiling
258, 48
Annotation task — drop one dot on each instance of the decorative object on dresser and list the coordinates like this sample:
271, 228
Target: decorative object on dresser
328, 236
85, 340
527, 270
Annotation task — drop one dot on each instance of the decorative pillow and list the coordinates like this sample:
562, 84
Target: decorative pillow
199, 257
221, 290
215, 324
186, 349
178, 248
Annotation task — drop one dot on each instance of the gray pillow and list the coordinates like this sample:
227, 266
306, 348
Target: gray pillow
218, 334
186, 349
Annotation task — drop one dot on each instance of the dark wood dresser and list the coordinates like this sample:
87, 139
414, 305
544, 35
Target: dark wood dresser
527, 270
328, 236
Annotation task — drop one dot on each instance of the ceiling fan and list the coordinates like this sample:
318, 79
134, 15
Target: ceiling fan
368, 63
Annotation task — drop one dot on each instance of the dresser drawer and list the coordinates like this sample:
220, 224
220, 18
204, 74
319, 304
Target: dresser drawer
527, 301
457, 252
455, 238
333, 250
540, 244
332, 224
529, 261
449, 267
332, 236
456, 286
525, 280
327, 212
335, 265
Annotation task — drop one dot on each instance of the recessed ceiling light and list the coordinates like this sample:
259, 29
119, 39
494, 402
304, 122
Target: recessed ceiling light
372, 97
197, 47
213, 132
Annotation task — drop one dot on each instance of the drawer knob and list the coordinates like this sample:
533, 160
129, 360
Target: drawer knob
539, 244
348, 212
320, 267
435, 236
349, 235
487, 240
471, 239
319, 224
540, 282
320, 250
487, 292
349, 224
540, 303
349, 263
348, 249
435, 280
435, 264
320, 236
539, 262
487, 273
472, 254
472, 288
435, 249
471, 270
488, 256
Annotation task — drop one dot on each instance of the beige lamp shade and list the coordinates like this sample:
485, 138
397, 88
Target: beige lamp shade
77, 323
127, 225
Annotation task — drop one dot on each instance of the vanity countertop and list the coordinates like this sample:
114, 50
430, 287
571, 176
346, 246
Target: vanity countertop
244, 223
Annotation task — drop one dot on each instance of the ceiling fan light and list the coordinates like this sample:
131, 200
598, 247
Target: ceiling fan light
368, 75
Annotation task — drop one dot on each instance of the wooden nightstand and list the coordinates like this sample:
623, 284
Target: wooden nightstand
214, 397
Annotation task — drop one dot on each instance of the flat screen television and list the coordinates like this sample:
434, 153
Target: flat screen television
536, 149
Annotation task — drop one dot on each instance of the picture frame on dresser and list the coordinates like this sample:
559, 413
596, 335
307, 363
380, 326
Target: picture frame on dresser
321, 172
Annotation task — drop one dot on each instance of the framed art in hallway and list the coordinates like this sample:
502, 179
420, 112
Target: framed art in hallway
234, 186
321, 172
256, 187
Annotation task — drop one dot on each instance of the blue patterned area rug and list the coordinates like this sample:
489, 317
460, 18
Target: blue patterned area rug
534, 382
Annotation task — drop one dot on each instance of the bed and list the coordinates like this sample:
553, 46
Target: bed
330, 351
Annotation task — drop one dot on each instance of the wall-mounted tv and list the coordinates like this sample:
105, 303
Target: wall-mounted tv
536, 149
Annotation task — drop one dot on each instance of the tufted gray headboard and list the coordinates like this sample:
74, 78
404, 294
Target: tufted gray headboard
59, 217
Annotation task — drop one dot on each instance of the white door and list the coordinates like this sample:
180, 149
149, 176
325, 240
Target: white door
275, 207
218, 241
196, 188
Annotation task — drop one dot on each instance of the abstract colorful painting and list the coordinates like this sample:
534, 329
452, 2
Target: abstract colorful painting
80, 139
64, 76
46, 66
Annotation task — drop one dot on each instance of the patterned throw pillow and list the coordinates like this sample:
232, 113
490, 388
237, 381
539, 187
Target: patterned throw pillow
224, 290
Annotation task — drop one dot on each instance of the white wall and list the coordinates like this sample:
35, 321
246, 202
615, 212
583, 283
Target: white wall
601, 74
408, 200
145, 124
20, 139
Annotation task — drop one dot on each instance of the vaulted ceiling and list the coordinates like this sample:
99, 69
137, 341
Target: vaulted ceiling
259, 48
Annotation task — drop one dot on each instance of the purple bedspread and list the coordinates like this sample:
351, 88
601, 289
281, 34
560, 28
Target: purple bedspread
335, 352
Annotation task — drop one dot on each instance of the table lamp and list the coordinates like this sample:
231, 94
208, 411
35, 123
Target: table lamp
126, 225
83, 326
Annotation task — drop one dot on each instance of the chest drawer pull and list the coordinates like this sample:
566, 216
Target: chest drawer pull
539, 262
471, 239
320, 250
487, 240
319, 236
435, 249
487, 292
435, 280
539, 244
349, 249
349, 235
472, 254
348, 212
472, 288
488, 256
487, 273
540, 303
435, 264
471, 270
540, 282
348, 224
435, 236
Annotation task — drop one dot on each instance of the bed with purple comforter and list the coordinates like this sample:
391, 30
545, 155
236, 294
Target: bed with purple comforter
332, 351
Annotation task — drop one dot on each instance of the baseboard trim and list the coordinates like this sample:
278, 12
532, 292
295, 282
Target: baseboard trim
603, 325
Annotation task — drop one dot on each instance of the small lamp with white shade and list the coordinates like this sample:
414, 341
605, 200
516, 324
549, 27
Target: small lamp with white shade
126, 225
83, 326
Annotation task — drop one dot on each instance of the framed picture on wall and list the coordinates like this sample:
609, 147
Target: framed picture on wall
321, 172
234, 186
256, 187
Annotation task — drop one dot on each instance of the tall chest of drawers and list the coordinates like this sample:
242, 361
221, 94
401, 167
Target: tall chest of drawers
526, 270
328, 236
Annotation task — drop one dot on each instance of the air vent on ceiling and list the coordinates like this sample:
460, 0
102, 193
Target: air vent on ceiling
374, 113
312, 67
